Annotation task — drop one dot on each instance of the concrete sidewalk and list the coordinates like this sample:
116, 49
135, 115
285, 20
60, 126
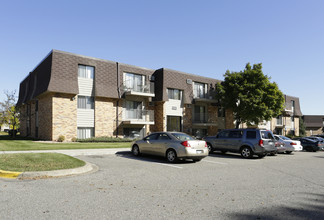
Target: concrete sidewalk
58, 173
75, 152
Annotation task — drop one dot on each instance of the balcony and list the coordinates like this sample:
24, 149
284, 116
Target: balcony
289, 109
203, 119
138, 117
139, 90
205, 97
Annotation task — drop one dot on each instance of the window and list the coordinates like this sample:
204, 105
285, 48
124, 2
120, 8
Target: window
267, 135
200, 114
199, 90
133, 82
251, 135
236, 134
279, 120
174, 123
152, 137
134, 110
163, 136
86, 72
174, 94
223, 134
84, 133
85, 102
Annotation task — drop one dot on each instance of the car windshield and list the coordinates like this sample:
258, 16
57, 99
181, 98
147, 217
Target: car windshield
182, 137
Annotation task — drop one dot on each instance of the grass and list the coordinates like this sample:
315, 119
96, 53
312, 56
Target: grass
21, 144
38, 162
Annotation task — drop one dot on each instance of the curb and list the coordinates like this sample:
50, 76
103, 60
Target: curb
49, 174
9, 174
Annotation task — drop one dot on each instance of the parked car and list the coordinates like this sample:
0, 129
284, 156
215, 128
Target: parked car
280, 146
309, 144
248, 142
290, 145
320, 139
172, 145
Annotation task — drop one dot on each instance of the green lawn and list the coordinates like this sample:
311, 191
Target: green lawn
38, 162
20, 144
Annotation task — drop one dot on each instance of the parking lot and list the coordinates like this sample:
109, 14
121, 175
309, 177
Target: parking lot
218, 187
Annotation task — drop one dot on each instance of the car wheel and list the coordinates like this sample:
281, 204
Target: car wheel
210, 148
288, 152
171, 156
135, 150
309, 149
246, 152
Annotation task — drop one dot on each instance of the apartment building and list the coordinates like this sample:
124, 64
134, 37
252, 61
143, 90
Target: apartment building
80, 97
314, 124
288, 122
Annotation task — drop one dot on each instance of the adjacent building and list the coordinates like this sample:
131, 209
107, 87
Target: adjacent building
288, 122
314, 124
80, 97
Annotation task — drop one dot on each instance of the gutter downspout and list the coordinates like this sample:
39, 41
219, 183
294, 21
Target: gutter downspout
117, 105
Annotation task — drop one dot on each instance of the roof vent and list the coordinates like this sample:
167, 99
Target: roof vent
189, 81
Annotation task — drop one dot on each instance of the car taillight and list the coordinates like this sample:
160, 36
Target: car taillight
292, 143
206, 144
261, 143
185, 143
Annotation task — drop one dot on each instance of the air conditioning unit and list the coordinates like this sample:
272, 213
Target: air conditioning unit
189, 81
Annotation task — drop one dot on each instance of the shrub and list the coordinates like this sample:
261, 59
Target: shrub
74, 139
104, 139
61, 138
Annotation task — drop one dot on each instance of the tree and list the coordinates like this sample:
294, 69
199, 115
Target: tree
251, 95
302, 128
9, 113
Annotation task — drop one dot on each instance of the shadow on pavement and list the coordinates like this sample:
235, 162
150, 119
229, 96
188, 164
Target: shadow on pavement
148, 158
311, 207
230, 156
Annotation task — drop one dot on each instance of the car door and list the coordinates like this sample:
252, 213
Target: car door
161, 144
221, 140
235, 139
147, 146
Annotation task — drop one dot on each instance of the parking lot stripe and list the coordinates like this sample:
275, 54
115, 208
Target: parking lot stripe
169, 165
214, 162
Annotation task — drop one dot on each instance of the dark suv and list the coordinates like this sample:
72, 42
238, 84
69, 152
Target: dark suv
248, 142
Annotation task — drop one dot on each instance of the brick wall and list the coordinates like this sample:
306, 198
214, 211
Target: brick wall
105, 117
45, 117
64, 117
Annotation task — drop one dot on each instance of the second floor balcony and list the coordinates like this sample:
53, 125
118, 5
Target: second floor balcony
205, 96
146, 89
138, 116
203, 119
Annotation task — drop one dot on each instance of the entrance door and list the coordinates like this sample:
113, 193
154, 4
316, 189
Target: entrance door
174, 123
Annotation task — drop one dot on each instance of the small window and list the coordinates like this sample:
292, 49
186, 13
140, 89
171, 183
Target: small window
86, 72
163, 137
152, 137
250, 135
236, 134
223, 134
84, 133
174, 94
85, 102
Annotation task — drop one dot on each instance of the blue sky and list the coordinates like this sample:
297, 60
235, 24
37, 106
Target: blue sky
199, 37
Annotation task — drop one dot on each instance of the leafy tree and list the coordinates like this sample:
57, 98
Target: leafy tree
302, 128
9, 113
251, 95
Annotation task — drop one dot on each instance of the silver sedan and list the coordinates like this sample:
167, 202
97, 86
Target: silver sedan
172, 145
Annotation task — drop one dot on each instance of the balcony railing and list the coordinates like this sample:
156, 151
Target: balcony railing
147, 88
200, 118
136, 116
207, 96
